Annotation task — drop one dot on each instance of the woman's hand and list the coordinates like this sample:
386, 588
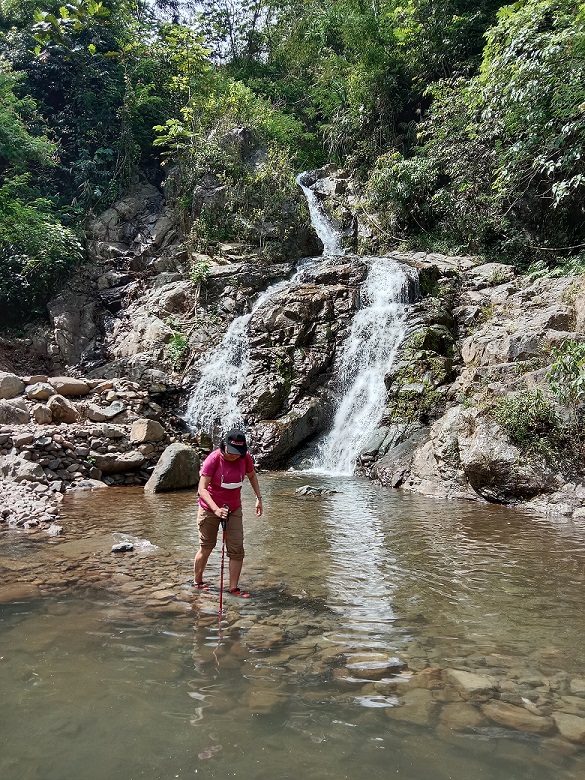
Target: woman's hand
221, 512
258, 507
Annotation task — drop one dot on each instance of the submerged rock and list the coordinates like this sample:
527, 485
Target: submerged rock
517, 718
311, 490
123, 547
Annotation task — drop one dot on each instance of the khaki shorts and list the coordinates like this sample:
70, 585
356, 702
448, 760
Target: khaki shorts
209, 525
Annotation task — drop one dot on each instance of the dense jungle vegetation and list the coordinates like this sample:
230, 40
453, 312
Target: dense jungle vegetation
463, 122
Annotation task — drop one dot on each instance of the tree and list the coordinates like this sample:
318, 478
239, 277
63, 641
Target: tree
503, 151
35, 248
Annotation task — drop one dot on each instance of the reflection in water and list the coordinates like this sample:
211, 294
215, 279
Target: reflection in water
110, 676
356, 578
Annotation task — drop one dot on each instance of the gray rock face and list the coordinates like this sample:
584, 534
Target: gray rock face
72, 316
116, 463
293, 338
177, 468
62, 410
14, 411
145, 430
10, 385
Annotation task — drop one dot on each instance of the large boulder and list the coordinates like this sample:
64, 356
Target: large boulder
62, 409
393, 468
468, 455
14, 412
274, 440
10, 385
145, 430
495, 468
177, 468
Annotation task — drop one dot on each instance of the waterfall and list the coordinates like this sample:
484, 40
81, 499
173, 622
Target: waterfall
215, 399
214, 402
330, 237
377, 331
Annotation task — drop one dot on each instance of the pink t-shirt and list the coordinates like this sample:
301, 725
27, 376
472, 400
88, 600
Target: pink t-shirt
227, 478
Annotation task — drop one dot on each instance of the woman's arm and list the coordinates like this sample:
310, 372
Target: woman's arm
218, 511
252, 476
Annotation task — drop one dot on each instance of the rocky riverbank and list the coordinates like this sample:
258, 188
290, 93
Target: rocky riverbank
64, 433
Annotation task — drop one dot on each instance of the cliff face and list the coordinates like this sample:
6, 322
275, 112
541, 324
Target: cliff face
506, 329
476, 334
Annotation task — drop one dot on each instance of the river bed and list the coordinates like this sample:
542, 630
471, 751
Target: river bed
366, 604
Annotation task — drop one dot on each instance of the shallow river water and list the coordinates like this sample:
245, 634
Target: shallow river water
117, 669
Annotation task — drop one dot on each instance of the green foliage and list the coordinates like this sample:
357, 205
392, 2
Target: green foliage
35, 253
209, 113
18, 148
237, 139
465, 123
566, 376
177, 349
199, 272
35, 248
501, 153
574, 266
403, 188
531, 422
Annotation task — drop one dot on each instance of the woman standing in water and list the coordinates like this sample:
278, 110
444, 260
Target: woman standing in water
220, 488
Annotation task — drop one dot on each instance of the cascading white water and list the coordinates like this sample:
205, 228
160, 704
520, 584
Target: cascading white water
330, 237
376, 333
214, 401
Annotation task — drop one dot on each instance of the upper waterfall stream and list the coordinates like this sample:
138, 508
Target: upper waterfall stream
329, 236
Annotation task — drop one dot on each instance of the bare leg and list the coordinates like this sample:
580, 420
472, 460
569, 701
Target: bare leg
235, 571
200, 563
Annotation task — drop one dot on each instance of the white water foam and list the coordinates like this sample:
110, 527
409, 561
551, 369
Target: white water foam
330, 237
368, 353
215, 400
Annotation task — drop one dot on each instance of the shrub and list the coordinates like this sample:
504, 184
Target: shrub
35, 253
531, 422
566, 375
177, 349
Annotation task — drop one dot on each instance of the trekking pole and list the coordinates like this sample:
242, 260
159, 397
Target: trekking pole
224, 527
